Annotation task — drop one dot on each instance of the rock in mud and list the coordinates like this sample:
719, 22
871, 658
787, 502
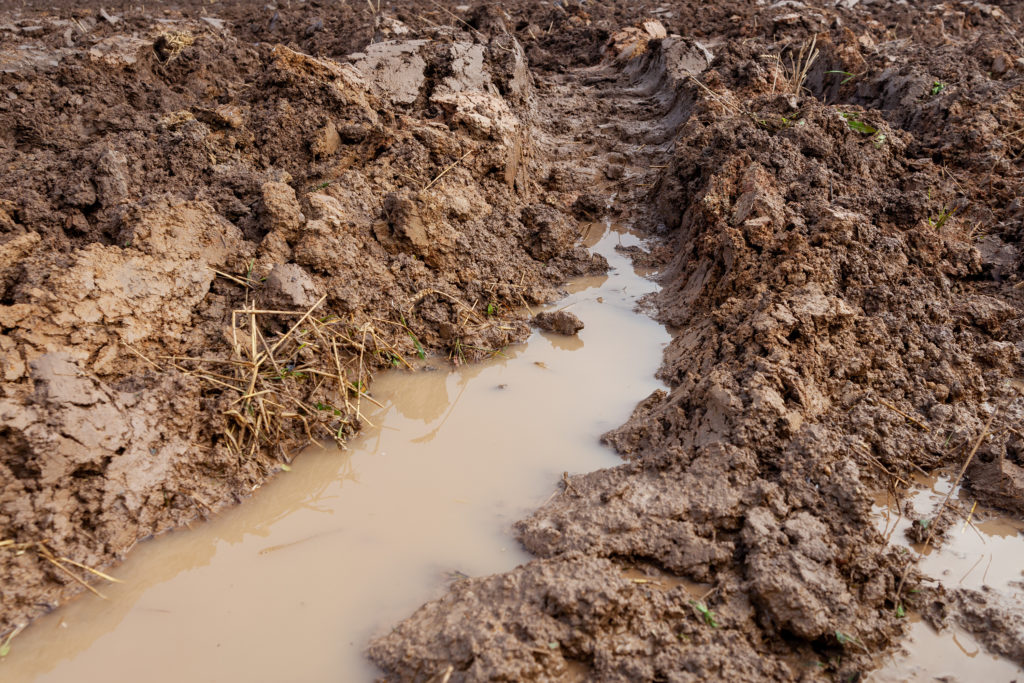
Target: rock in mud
560, 322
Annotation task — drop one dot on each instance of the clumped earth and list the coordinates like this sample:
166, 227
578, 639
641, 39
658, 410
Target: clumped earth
834, 194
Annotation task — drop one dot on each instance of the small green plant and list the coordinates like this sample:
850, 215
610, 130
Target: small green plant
900, 612
419, 347
849, 76
492, 309
938, 221
854, 123
5, 646
416, 342
458, 353
845, 639
290, 371
321, 186
705, 613
325, 406
937, 87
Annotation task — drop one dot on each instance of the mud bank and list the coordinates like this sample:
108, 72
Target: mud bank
346, 543
846, 288
209, 244
836, 188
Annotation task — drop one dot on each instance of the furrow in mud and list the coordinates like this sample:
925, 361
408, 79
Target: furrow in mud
834, 189
831, 336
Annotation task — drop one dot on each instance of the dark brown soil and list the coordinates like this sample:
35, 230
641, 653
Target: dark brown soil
840, 261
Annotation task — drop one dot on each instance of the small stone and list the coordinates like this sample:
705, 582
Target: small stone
229, 115
560, 322
614, 172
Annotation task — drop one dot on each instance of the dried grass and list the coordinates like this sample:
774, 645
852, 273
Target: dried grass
313, 376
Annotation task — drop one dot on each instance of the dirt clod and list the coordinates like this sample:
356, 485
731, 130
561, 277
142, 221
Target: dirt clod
561, 322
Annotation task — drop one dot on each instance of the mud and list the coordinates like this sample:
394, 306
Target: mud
835, 335
165, 172
839, 254
346, 543
973, 584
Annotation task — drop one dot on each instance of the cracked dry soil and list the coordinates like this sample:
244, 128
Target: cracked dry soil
839, 255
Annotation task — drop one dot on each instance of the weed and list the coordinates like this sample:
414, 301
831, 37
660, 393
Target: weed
900, 612
458, 353
5, 646
492, 309
321, 186
849, 76
325, 406
801, 65
290, 372
415, 340
845, 639
938, 221
854, 123
937, 87
705, 613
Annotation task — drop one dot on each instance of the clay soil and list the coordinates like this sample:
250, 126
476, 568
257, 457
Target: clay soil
217, 221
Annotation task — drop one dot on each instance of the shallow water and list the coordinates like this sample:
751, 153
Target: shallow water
986, 550
293, 583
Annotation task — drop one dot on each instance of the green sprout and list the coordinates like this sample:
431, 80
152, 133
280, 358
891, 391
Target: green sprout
705, 612
849, 76
854, 123
940, 220
937, 87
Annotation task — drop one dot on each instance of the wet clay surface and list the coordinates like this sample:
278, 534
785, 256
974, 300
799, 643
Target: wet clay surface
839, 254
834, 334
162, 173
981, 551
346, 543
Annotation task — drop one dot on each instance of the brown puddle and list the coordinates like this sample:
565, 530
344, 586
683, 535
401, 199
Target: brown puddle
987, 551
292, 584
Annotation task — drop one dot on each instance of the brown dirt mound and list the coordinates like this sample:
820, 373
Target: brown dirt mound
845, 282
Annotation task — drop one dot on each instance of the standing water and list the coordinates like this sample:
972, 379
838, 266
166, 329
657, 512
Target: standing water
987, 552
292, 584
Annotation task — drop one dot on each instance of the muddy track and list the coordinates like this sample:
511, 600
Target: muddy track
797, 286
839, 254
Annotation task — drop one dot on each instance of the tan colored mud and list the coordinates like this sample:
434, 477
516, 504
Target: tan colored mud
292, 584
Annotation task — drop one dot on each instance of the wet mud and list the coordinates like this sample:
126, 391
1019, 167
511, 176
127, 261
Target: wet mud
347, 543
834, 191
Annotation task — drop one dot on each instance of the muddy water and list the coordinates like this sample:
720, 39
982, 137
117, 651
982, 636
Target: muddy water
293, 583
987, 550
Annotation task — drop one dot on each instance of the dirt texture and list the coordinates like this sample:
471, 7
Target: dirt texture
840, 260
167, 174
562, 322
838, 241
